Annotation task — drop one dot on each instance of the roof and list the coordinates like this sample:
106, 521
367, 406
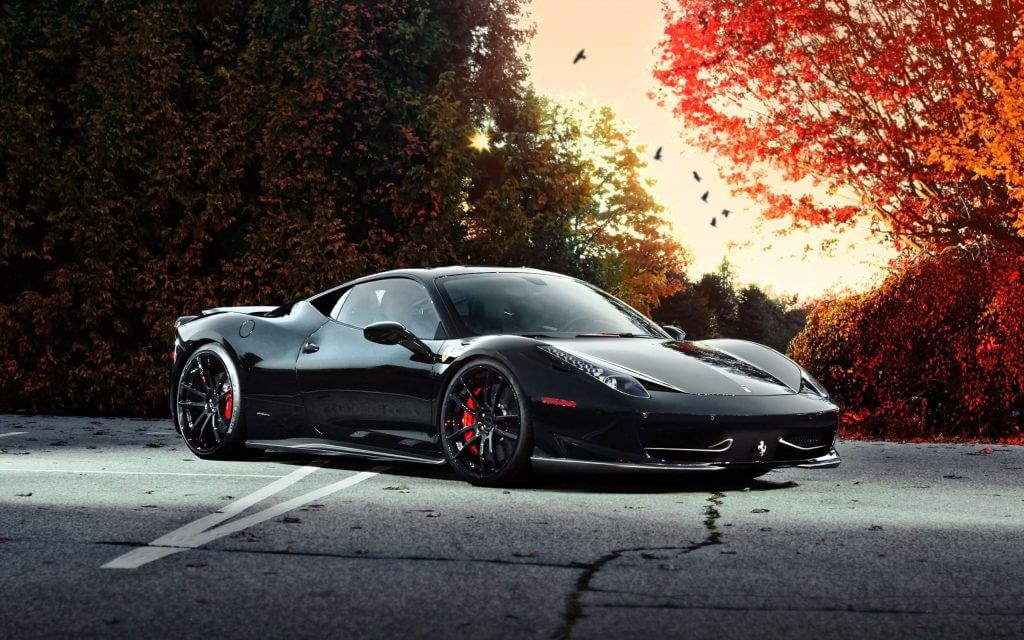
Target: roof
427, 273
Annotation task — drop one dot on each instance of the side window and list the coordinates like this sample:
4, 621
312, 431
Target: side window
394, 300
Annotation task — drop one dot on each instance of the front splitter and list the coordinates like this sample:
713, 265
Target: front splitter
543, 463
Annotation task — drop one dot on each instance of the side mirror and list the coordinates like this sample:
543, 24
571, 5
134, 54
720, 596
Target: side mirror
394, 333
674, 331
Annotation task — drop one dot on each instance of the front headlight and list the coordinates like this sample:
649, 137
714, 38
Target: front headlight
809, 385
618, 380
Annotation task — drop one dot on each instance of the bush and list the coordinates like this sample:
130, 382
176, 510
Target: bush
935, 352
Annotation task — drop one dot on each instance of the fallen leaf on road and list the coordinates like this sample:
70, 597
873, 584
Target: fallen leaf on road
401, 488
985, 451
876, 527
759, 511
433, 515
291, 520
954, 477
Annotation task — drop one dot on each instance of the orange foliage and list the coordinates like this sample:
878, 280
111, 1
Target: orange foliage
989, 143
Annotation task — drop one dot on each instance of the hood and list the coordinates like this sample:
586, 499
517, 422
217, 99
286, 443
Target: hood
703, 368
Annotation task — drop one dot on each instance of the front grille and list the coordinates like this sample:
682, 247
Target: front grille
807, 440
735, 442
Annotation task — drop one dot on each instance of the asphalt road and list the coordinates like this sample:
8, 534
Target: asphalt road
903, 540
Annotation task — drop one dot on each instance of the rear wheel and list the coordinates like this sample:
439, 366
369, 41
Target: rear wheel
208, 404
485, 429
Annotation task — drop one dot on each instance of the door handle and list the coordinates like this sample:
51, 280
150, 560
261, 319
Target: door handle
310, 347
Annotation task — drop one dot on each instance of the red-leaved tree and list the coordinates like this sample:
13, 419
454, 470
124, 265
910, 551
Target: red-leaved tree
850, 94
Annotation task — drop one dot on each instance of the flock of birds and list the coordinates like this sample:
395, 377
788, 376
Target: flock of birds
581, 55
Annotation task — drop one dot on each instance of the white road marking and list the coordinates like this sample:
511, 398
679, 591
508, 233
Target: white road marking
141, 473
182, 534
12, 433
198, 533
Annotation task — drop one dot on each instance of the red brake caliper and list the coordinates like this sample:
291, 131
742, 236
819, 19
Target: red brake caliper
229, 402
468, 421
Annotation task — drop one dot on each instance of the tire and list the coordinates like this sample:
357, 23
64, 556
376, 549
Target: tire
208, 405
485, 427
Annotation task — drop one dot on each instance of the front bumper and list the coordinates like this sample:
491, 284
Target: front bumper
547, 464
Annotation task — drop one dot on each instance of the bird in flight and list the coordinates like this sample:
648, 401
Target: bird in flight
714, 222
705, 196
696, 176
657, 154
579, 56
725, 213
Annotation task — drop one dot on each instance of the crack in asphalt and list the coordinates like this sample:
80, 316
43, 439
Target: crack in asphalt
573, 605
575, 566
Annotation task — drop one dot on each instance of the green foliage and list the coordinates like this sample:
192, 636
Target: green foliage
711, 307
163, 157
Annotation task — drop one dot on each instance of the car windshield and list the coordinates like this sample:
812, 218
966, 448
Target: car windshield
540, 305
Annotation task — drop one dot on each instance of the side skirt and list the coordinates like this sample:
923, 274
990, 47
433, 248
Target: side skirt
316, 446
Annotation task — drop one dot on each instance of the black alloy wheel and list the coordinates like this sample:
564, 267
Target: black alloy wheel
485, 430
207, 404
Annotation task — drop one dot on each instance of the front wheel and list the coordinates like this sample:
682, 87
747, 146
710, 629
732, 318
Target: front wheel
485, 428
208, 404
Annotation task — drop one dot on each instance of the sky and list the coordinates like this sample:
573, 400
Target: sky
620, 38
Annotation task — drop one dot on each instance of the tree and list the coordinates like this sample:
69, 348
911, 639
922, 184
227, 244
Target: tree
712, 308
567, 193
719, 290
164, 157
687, 309
851, 95
762, 319
989, 143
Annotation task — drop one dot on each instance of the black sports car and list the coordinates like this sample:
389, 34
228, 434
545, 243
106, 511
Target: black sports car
496, 372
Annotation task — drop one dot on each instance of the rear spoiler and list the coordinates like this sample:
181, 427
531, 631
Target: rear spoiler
252, 311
